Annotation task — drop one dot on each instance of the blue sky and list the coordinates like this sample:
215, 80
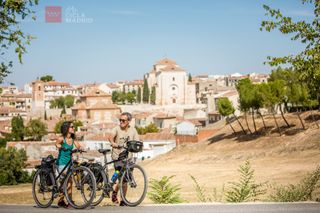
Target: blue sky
124, 38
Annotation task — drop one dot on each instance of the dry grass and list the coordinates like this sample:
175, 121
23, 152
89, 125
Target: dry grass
277, 159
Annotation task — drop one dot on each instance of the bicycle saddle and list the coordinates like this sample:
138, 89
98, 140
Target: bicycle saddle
104, 151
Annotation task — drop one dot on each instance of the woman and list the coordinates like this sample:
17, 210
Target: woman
65, 144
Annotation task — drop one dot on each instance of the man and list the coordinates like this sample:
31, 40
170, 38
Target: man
119, 135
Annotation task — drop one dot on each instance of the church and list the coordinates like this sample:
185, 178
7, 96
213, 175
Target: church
171, 84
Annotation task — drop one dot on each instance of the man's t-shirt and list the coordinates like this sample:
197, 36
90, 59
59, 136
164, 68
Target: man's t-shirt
120, 137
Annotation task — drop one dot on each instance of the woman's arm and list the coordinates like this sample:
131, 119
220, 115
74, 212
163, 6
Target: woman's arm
59, 143
77, 144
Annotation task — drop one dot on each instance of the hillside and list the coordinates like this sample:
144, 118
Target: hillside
214, 162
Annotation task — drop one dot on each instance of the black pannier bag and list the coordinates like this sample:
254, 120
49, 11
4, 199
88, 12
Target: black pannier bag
96, 170
47, 168
135, 146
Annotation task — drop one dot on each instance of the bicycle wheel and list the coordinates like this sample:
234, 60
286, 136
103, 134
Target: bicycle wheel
102, 183
133, 185
80, 187
42, 188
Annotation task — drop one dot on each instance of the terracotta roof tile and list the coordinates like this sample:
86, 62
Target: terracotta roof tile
171, 68
166, 61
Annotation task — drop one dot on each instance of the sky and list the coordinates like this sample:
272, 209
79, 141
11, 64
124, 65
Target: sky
121, 39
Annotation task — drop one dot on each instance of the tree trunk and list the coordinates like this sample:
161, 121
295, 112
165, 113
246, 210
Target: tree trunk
234, 131
240, 124
288, 125
254, 123
246, 119
302, 124
275, 120
264, 124
314, 120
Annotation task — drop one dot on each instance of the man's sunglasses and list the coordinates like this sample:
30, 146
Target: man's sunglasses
72, 127
123, 120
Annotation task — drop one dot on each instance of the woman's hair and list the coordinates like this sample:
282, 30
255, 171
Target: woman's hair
65, 128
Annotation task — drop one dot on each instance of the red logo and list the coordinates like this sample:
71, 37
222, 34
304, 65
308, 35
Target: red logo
53, 14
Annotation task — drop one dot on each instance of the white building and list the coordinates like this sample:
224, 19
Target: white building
171, 84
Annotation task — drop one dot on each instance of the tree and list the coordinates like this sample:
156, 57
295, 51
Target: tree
63, 112
11, 36
17, 132
146, 92
225, 108
36, 129
190, 77
77, 124
115, 96
269, 100
153, 95
12, 163
306, 63
57, 127
131, 97
47, 78
45, 115
69, 101
245, 90
139, 95
151, 128
122, 97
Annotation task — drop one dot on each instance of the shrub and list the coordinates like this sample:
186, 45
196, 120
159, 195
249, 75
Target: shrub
201, 193
246, 189
303, 191
162, 191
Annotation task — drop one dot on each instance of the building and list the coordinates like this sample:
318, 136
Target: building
44, 92
96, 106
134, 85
171, 84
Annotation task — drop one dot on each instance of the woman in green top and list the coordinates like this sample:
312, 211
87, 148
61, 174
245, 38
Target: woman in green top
65, 144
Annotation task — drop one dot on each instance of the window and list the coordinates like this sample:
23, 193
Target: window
173, 79
173, 88
174, 101
39, 88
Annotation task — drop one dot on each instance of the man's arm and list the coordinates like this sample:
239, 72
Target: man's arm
112, 138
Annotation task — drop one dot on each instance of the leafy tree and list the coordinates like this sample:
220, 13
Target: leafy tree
151, 128
131, 97
115, 96
246, 96
225, 108
279, 93
46, 78
269, 100
122, 97
146, 92
76, 124
139, 95
190, 77
57, 127
36, 129
17, 132
153, 95
306, 63
12, 163
11, 36
45, 115
63, 112
162, 191
69, 101
245, 189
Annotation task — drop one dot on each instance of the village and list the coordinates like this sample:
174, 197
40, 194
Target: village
183, 109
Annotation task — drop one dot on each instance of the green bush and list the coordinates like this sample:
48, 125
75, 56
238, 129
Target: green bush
303, 191
151, 128
12, 163
246, 189
162, 191
202, 194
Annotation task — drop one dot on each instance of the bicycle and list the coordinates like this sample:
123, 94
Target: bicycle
131, 175
46, 185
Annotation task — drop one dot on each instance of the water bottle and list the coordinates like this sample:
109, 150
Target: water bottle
115, 176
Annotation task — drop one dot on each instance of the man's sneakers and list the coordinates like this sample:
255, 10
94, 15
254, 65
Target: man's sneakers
122, 203
114, 198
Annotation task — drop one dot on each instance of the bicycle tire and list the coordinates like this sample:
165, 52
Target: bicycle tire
100, 188
131, 185
43, 187
81, 177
